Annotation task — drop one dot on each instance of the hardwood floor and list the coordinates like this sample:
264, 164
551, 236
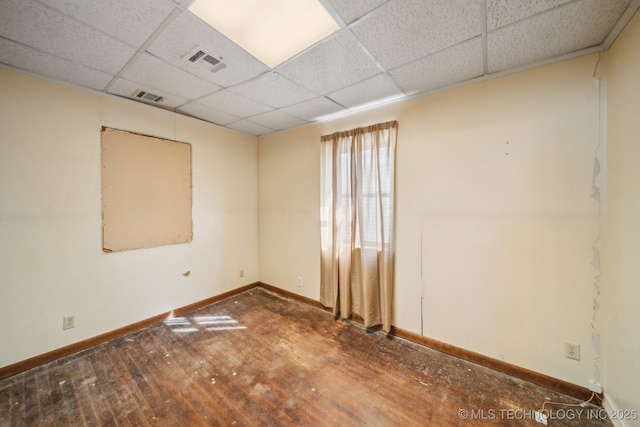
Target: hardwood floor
259, 359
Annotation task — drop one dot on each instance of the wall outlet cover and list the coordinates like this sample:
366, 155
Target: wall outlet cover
68, 322
572, 350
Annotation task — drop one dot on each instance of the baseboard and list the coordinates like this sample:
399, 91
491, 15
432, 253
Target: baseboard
543, 380
611, 407
35, 361
291, 295
477, 358
561, 386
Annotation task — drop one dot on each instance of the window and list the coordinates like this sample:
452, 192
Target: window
357, 211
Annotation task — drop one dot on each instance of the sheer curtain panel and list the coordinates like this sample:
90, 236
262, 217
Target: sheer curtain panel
357, 223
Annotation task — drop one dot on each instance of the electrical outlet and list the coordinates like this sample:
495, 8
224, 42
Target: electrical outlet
68, 322
299, 281
572, 350
595, 386
241, 274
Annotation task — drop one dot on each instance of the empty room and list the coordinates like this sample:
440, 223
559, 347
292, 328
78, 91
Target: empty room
320, 212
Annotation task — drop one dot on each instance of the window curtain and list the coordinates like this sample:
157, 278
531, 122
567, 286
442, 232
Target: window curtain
357, 223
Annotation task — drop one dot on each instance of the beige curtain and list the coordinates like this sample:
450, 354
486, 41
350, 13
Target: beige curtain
357, 223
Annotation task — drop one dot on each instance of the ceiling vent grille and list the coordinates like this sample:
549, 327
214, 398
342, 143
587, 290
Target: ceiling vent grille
147, 96
200, 56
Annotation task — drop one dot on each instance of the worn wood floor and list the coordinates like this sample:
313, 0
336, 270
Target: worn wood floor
259, 359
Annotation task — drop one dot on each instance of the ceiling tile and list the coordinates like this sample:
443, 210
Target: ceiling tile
375, 88
389, 47
234, 104
50, 66
130, 21
126, 88
188, 31
505, 12
565, 29
47, 30
333, 65
402, 31
274, 90
314, 108
207, 113
160, 75
444, 68
277, 120
249, 127
350, 10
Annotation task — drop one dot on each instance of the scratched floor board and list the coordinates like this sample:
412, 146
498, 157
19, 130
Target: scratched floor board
136, 360
259, 359
184, 397
88, 390
134, 402
214, 395
233, 368
301, 399
17, 407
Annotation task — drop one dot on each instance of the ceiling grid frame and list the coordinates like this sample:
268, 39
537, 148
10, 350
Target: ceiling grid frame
360, 72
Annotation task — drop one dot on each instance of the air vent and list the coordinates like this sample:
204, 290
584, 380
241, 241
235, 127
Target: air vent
147, 96
199, 56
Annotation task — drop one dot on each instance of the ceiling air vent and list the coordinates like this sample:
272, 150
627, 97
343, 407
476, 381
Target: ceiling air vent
199, 56
147, 96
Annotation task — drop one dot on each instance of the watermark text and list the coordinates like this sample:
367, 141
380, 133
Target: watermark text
549, 414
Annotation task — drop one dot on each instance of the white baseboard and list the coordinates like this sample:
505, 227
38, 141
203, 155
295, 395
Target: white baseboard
610, 406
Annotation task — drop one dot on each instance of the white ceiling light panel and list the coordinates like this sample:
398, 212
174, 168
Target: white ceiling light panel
271, 30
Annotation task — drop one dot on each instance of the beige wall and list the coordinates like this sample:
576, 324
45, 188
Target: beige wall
495, 220
51, 259
621, 260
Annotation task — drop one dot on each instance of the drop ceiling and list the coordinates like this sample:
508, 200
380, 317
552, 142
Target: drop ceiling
385, 51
